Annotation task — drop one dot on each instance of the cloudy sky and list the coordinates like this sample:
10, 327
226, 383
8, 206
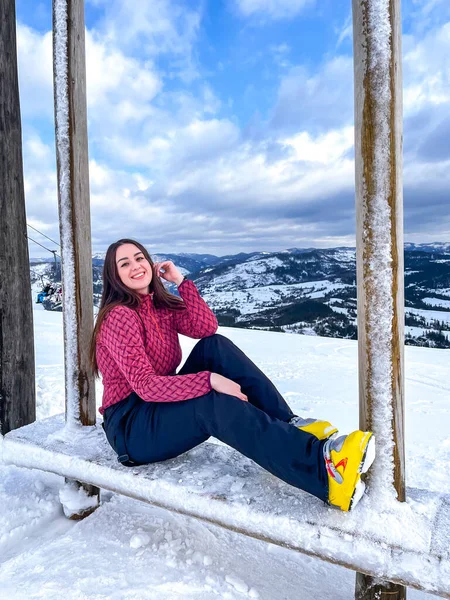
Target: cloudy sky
224, 126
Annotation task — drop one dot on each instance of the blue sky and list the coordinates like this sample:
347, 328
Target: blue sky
226, 126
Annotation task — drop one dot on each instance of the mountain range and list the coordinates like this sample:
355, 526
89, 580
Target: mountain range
305, 290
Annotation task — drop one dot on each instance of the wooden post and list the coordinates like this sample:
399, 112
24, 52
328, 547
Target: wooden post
69, 70
17, 371
379, 250
74, 213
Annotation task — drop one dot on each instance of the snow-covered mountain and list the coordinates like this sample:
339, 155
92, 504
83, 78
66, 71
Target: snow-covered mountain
310, 291
314, 292
439, 247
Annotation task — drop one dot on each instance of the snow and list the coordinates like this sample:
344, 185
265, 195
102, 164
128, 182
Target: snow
415, 331
346, 254
267, 507
437, 302
444, 291
41, 269
75, 499
340, 309
127, 549
237, 584
250, 273
139, 540
430, 315
252, 299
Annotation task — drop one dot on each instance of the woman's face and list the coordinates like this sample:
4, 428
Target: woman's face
134, 270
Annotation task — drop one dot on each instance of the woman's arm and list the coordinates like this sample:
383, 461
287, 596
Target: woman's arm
198, 320
121, 334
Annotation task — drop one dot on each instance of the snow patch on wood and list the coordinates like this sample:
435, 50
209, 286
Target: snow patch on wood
75, 500
399, 543
378, 240
63, 151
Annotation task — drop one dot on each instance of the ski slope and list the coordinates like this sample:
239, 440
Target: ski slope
130, 550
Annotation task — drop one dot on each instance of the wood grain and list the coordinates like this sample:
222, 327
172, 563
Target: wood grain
17, 370
76, 229
368, 116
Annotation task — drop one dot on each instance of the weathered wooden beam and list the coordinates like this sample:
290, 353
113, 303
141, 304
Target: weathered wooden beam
379, 249
368, 587
69, 71
74, 211
17, 371
407, 543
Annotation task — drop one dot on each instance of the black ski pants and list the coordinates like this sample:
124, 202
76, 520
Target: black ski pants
146, 432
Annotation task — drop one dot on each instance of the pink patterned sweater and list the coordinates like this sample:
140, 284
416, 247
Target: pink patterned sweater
132, 359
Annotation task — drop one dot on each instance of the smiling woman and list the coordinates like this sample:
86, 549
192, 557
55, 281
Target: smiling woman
152, 413
134, 269
128, 275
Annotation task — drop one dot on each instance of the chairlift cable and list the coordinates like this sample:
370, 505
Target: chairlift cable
46, 236
48, 250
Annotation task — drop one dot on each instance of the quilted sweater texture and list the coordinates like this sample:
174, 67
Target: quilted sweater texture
139, 351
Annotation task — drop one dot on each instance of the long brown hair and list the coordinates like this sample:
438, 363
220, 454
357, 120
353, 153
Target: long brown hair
116, 293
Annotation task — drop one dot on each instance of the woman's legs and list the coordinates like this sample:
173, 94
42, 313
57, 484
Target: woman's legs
162, 430
218, 354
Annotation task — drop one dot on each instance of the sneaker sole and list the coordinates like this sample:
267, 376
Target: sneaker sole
369, 455
366, 463
357, 494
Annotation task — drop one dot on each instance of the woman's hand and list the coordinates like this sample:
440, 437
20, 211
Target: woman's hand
227, 386
170, 273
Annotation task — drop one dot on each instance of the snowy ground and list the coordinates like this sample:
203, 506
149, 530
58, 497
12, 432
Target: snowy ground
437, 302
430, 315
128, 550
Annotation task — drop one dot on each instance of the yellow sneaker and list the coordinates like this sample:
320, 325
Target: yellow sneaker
346, 458
321, 429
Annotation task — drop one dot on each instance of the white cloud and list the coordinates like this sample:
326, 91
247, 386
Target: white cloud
244, 178
324, 97
40, 189
150, 29
199, 140
111, 74
275, 9
324, 149
315, 100
35, 72
167, 166
426, 66
346, 32
123, 119
236, 196
119, 88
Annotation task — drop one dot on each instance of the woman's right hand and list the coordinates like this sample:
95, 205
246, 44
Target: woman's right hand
227, 386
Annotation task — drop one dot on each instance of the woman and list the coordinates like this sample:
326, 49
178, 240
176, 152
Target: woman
151, 413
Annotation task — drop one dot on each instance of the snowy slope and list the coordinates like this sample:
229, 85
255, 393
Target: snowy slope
130, 550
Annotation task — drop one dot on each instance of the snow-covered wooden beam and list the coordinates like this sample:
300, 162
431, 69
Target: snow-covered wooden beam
74, 211
407, 543
379, 250
17, 373
379, 242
